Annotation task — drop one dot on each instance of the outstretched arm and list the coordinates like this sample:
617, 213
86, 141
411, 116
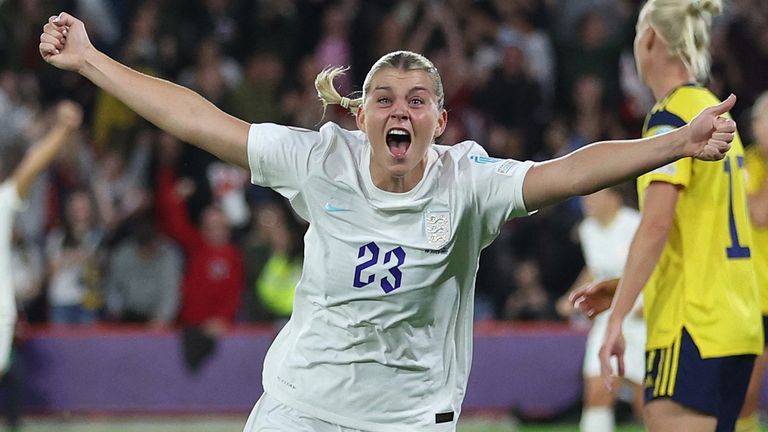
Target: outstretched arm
647, 246
175, 109
597, 166
39, 156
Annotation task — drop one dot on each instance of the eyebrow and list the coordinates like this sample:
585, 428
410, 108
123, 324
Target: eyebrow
412, 90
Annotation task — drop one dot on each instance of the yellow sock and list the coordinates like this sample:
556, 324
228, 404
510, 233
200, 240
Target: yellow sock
748, 424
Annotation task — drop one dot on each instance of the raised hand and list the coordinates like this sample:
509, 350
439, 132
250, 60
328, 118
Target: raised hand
69, 115
710, 135
64, 42
594, 298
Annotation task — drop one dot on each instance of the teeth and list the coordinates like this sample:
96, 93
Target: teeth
398, 132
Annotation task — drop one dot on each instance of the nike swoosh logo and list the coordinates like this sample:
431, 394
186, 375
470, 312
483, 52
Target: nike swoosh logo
330, 208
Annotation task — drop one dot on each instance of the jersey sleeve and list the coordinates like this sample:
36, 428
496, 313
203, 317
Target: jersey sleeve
280, 157
497, 188
678, 172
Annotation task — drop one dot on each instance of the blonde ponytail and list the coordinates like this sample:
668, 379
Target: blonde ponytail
685, 26
328, 94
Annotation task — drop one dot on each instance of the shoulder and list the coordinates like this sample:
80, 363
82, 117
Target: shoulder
468, 153
688, 101
678, 108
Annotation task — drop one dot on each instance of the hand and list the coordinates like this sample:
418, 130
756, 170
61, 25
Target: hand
594, 298
64, 42
613, 345
69, 115
710, 135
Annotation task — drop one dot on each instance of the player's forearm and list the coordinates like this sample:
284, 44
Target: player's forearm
644, 254
39, 157
600, 165
173, 108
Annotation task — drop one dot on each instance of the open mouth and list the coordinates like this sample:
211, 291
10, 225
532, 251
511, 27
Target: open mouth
398, 141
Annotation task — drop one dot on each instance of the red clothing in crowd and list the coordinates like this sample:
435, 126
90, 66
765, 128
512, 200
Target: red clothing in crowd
213, 276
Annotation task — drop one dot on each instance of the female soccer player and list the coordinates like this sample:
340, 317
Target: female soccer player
13, 193
692, 250
756, 165
605, 235
381, 331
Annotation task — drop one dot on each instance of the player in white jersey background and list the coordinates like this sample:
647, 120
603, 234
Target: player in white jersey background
13, 193
605, 235
381, 333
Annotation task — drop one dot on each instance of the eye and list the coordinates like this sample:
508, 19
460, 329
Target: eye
417, 101
383, 100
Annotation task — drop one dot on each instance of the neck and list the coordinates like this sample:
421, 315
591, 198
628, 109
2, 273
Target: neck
386, 181
668, 79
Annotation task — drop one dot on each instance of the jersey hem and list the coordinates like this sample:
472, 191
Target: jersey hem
331, 417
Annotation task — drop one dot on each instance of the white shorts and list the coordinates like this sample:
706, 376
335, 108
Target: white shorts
270, 415
634, 354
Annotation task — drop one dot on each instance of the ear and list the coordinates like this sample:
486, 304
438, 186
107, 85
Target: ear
649, 39
360, 118
442, 123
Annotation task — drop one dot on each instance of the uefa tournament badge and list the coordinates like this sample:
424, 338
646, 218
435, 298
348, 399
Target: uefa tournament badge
437, 225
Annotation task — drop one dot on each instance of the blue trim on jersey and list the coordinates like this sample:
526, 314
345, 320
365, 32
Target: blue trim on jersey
664, 118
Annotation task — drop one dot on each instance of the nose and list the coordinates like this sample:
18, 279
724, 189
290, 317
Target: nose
399, 112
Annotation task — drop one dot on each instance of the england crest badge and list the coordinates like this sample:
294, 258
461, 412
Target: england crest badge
437, 226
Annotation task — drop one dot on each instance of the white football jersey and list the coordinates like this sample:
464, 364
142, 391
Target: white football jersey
381, 333
606, 247
9, 204
605, 251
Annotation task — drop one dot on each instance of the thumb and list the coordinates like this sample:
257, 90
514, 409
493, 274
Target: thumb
724, 106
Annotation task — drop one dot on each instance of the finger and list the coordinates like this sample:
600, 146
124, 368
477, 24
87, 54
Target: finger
46, 38
54, 31
605, 370
723, 137
721, 147
724, 106
620, 359
47, 50
724, 124
575, 296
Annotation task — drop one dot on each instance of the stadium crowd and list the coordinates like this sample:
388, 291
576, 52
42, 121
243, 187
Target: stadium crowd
131, 225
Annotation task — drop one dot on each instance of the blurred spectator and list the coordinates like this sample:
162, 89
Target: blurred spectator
258, 96
119, 183
519, 23
213, 277
529, 301
746, 52
74, 258
334, 47
274, 25
283, 235
512, 99
143, 281
591, 52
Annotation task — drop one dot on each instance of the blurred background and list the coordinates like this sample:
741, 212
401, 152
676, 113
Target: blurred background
151, 277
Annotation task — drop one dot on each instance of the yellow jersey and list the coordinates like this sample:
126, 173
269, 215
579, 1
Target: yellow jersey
757, 170
704, 280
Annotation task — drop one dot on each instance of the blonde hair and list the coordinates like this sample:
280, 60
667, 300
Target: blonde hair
403, 60
760, 106
685, 26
